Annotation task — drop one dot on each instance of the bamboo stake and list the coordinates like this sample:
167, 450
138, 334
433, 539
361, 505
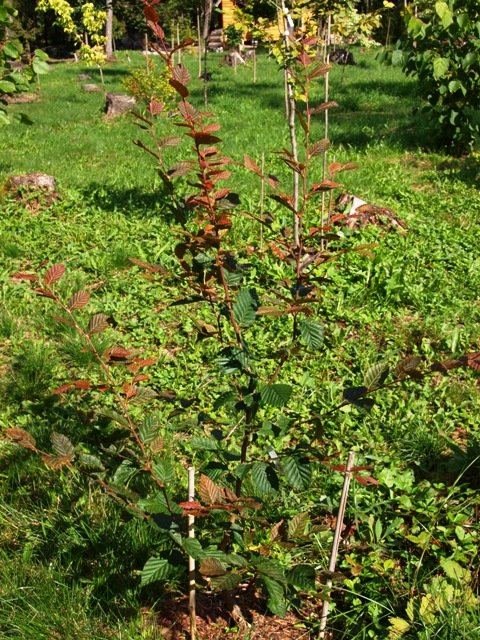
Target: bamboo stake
324, 172
178, 42
191, 561
336, 539
199, 46
262, 197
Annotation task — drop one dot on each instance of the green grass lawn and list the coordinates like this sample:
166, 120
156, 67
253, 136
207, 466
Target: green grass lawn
64, 546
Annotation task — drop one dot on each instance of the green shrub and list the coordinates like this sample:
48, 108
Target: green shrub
150, 83
442, 49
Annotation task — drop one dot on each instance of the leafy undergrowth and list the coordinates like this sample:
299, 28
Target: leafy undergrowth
409, 560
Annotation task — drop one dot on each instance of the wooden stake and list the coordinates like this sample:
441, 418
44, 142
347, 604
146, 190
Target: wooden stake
336, 539
262, 197
191, 561
324, 172
178, 42
199, 46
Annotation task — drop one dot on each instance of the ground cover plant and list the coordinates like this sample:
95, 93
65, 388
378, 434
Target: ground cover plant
410, 561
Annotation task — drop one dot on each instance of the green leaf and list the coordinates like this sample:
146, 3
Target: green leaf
156, 504
276, 395
302, 576
62, 445
440, 67
224, 398
90, 462
297, 525
155, 569
123, 473
233, 359
463, 21
275, 592
470, 58
245, 307
227, 581
165, 471
12, 49
271, 569
398, 58
143, 395
41, 55
376, 375
194, 549
312, 333
116, 417
7, 87
455, 571
298, 471
203, 444
265, 478
40, 67
149, 428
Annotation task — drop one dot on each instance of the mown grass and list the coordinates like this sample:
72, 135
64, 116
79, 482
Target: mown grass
67, 548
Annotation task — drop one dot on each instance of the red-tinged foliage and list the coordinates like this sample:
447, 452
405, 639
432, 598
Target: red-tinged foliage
25, 276
44, 293
21, 437
54, 274
63, 388
79, 300
150, 13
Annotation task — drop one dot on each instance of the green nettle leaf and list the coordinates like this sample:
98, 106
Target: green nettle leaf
233, 359
227, 581
116, 417
302, 576
165, 471
123, 473
154, 505
298, 471
297, 525
275, 592
143, 394
312, 333
90, 462
154, 569
194, 549
62, 445
245, 307
148, 430
276, 395
271, 569
265, 478
440, 67
376, 375
203, 444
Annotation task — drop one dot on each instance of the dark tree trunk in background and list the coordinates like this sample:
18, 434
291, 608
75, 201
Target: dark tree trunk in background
207, 18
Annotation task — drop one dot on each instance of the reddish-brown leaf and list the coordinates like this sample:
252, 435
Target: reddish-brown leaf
78, 300
63, 388
221, 193
150, 13
208, 490
54, 274
82, 384
210, 128
146, 362
43, 293
212, 567
157, 29
56, 462
204, 138
180, 88
155, 108
181, 73
25, 276
251, 164
97, 324
21, 437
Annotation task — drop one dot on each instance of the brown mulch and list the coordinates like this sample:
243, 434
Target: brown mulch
214, 622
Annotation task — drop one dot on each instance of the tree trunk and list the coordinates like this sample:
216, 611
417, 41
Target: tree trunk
207, 18
109, 29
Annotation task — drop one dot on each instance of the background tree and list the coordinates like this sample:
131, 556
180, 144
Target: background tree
441, 47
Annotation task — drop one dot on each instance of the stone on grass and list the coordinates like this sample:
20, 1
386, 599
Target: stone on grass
33, 182
117, 103
84, 76
90, 87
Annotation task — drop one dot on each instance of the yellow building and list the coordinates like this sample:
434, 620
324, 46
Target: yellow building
228, 8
